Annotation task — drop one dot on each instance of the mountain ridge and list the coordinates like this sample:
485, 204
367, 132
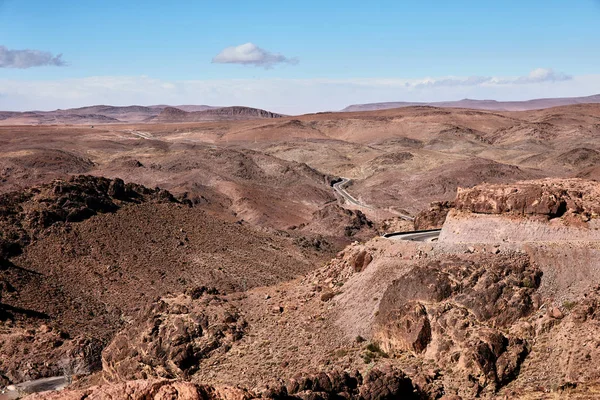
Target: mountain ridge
107, 114
492, 105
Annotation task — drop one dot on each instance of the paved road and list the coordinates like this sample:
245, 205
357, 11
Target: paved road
339, 188
143, 135
39, 385
417, 236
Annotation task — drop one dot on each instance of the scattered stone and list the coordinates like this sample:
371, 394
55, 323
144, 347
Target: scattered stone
326, 296
556, 313
277, 310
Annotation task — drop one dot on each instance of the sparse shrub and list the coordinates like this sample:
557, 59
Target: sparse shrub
373, 347
527, 283
339, 353
569, 305
373, 352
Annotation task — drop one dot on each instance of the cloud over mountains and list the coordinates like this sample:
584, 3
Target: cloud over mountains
538, 75
286, 96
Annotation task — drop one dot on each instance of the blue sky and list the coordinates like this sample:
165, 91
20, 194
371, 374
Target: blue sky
171, 45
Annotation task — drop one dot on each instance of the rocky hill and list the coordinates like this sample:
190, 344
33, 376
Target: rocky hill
171, 114
104, 114
248, 274
81, 257
476, 320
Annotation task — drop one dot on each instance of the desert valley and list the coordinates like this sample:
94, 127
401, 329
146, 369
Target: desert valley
229, 253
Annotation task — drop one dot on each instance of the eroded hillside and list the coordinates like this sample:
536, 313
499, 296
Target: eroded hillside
215, 265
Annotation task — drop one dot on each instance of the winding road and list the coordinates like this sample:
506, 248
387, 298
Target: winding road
339, 188
36, 386
415, 236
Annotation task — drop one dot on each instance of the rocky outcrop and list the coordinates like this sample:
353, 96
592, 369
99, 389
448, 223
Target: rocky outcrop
531, 211
171, 114
37, 350
26, 214
378, 384
434, 217
384, 383
170, 338
454, 312
41, 352
547, 198
150, 390
350, 223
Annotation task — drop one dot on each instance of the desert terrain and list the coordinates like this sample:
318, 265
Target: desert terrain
199, 252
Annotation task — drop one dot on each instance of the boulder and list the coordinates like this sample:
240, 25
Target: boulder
434, 217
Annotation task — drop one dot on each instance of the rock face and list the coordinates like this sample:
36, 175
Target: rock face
434, 217
453, 312
532, 211
350, 223
172, 336
378, 384
151, 390
565, 351
547, 198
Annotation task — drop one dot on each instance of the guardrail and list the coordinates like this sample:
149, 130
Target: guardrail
388, 235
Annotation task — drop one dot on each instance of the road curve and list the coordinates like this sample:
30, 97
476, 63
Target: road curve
338, 187
416, 236
36, 386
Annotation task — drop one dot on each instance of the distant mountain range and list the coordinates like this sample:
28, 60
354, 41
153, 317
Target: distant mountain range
103, 114
106, 114
494, 105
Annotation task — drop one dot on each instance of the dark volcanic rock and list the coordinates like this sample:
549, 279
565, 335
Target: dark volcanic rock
25, 215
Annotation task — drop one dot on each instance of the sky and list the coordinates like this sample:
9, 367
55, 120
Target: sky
294, 56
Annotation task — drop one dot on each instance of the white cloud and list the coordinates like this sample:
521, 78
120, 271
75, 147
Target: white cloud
544, 75
288, 96
251, 54
28, 58
538, 75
